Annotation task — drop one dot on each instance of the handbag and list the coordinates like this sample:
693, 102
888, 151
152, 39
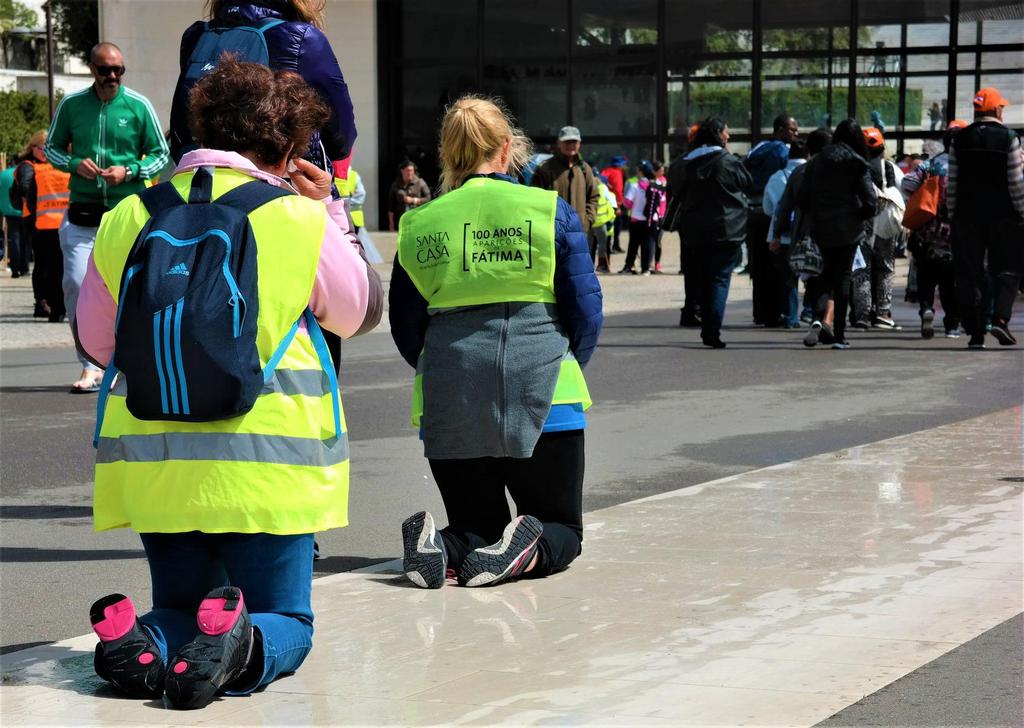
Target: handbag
923, 205
805, 257
891, 208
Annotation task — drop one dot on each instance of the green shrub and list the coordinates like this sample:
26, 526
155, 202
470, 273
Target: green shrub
808, 104
21, 115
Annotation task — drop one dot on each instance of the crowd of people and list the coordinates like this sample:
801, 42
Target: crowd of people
836, 195
208, 310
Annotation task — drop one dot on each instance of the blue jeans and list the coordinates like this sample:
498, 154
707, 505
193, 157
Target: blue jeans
713, 265
275, 574
76, 243
17, 248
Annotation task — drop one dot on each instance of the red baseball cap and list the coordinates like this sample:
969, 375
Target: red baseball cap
989, 99
957, 124
873, 138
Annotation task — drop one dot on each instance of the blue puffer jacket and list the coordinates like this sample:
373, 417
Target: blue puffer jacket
293, 46
577, 292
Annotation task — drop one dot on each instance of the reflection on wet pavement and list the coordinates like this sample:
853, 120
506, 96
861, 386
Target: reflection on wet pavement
776, 596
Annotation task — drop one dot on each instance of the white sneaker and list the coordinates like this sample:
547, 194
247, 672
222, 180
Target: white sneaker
811, 337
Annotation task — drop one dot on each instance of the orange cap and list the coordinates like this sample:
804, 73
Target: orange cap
693, 133
989, 99
957, 124
873, 138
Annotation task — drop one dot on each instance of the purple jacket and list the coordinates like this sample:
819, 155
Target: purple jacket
293, 46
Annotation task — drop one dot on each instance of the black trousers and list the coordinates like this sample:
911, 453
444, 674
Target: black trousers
547, 486
48, 270
768, 293
834, 283
941, 274
693, 279
1002, 241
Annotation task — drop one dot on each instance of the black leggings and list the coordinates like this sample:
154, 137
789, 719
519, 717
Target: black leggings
548, 486
834, 283
48, 272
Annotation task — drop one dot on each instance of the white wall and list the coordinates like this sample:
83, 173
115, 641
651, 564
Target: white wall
149, 32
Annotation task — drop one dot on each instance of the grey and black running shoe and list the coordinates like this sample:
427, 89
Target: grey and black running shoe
424, 559
506, 559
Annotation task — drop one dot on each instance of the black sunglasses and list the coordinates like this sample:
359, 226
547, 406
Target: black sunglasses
107, 70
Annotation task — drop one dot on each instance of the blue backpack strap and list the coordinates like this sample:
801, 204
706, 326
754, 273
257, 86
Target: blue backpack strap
275, 358
269, 24
202, 186
252, 195
160, 197
101, 402
324, 354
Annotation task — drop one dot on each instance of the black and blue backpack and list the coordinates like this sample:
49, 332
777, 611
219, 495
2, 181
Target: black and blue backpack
248, 44
185, 333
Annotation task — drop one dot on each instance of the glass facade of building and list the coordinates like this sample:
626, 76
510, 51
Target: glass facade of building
634, 74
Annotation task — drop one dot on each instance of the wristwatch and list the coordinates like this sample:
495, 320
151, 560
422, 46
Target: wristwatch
128, 173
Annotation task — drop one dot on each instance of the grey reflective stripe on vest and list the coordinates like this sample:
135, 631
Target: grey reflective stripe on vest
54, 196
290, 382
306, 382
228, 446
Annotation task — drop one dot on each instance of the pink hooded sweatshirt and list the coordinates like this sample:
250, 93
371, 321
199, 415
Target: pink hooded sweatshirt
347, 295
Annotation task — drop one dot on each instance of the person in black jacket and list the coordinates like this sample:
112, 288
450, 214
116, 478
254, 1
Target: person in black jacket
837, 196
713, 210
985, 198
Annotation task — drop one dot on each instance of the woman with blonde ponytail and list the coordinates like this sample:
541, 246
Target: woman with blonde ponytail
495, 303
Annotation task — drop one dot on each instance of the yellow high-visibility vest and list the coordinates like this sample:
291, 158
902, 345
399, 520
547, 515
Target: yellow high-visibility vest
280, 468
489, 241
347, 188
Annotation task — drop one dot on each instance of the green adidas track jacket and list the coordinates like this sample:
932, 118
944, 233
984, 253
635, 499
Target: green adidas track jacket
121, 132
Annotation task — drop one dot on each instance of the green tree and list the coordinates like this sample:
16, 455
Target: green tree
76, 25
13, 15
21, 115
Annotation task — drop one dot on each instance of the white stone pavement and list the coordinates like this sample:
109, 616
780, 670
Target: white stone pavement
774, 597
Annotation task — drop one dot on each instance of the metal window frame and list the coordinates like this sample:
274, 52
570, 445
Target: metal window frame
389, 43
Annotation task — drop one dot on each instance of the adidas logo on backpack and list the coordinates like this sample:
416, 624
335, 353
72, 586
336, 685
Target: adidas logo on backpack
177, 270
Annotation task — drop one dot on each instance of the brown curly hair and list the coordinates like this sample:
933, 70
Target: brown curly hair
248, 108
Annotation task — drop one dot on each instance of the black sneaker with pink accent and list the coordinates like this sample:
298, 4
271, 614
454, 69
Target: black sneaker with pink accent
126, 656
218, 654
506, 559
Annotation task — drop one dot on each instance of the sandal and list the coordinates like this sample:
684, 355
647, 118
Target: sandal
86, 385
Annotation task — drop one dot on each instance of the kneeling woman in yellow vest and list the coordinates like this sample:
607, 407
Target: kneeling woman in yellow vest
494, 300
231, 505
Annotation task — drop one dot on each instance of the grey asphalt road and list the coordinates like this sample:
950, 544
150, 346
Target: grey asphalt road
669, 414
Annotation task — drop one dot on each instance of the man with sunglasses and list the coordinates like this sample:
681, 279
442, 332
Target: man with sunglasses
109, 139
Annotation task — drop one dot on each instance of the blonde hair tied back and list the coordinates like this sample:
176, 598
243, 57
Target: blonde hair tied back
308, 11
473, 131
36, 140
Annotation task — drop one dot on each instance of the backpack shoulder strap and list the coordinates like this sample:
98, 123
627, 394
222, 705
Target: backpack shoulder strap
252, 195
160, 197
269, 24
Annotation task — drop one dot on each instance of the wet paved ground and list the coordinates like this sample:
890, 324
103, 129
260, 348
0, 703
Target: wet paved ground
636, 610
779, 596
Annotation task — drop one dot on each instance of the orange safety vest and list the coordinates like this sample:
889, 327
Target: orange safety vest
52, 196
